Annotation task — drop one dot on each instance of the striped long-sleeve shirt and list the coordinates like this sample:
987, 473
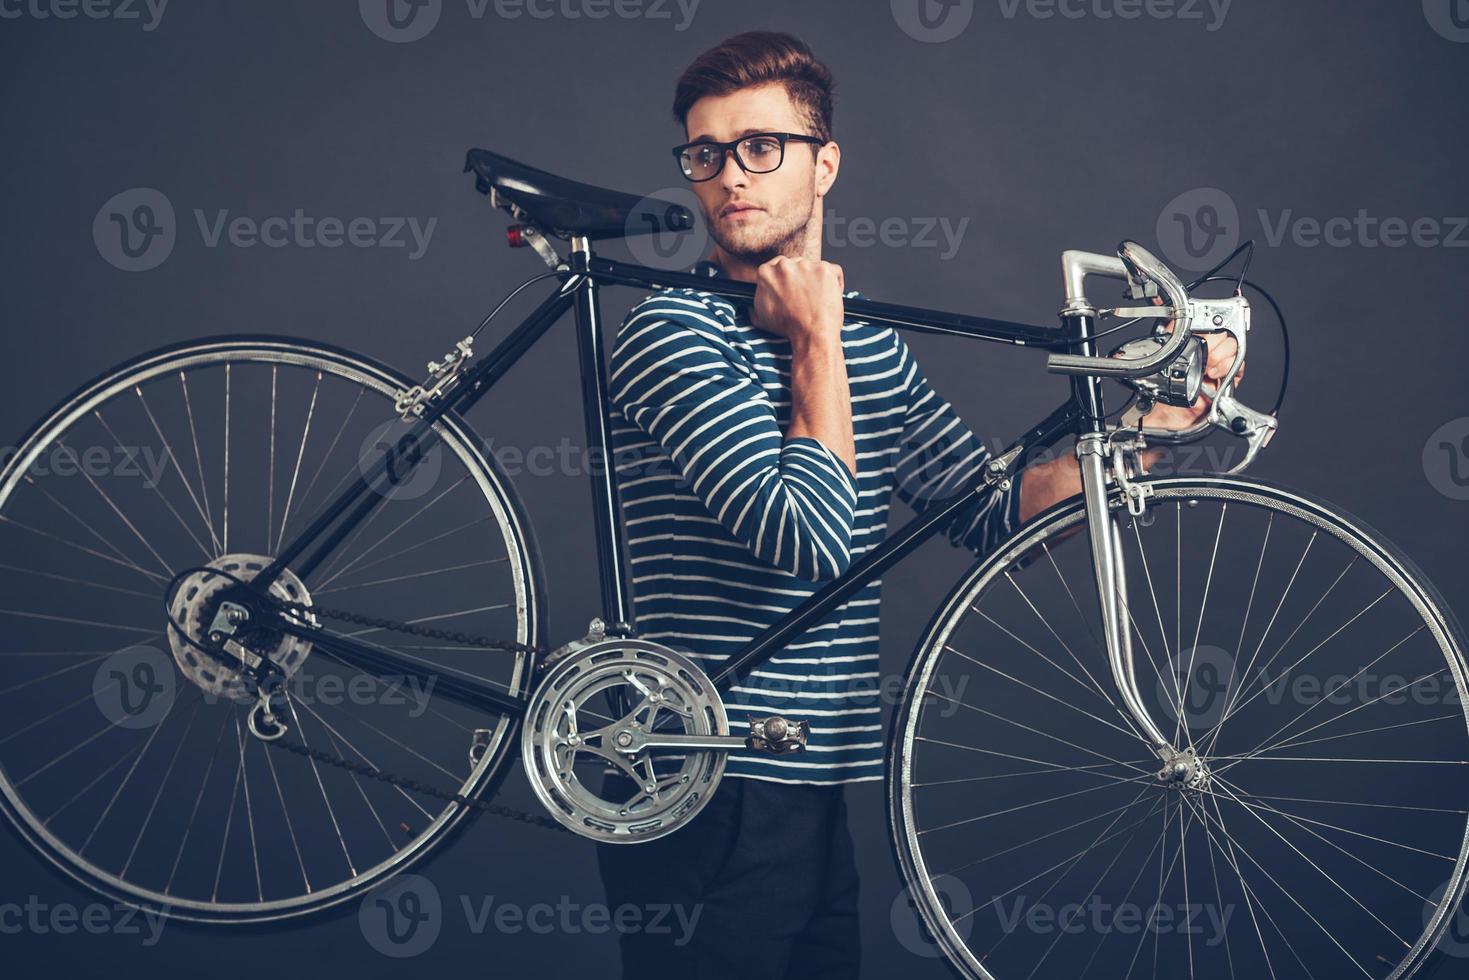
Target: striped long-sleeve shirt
731, 525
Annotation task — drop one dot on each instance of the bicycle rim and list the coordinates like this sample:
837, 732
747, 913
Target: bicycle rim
1318, 675
124, 757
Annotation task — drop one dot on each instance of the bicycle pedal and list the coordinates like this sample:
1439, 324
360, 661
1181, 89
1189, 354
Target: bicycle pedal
777, 735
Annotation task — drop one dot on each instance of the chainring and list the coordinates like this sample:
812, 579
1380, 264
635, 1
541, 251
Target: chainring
573, 765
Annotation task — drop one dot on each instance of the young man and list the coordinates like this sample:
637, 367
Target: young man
759, 446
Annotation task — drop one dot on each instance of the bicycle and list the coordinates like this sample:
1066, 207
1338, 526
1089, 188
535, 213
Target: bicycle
1116, 776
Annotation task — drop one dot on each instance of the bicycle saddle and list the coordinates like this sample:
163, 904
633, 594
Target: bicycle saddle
565, 207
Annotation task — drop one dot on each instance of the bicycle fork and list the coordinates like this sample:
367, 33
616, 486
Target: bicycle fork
1181, 764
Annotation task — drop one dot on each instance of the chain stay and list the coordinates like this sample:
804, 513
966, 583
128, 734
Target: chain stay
392, 625
483, 806
495, 809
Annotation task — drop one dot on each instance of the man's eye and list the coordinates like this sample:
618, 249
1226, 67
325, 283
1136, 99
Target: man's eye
761, 147
704, 156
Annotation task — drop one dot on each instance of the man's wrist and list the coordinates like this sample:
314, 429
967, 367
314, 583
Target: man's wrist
821, 340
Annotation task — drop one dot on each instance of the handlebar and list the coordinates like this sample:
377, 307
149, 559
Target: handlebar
1146, 276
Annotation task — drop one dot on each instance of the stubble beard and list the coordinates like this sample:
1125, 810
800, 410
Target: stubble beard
788, 238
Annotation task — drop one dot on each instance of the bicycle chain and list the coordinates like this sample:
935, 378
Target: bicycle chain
468, 639
495, 809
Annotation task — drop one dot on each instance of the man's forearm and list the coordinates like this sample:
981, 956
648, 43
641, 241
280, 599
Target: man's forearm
821, 397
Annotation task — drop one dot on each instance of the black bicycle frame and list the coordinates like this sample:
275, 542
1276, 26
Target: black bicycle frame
1082, 412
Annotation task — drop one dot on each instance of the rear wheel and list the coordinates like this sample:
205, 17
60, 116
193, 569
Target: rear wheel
1316, 675
125, 754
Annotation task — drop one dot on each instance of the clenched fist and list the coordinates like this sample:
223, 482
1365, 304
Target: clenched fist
799, 298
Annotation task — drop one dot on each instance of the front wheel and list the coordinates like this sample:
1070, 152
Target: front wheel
1312, 670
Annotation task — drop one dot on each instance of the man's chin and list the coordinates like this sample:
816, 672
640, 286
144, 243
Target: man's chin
748, 246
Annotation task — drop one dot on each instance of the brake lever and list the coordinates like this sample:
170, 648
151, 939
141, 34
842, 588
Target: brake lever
1225, 410
1239, 419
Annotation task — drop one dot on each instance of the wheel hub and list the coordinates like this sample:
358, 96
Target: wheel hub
195, 602
1185, 770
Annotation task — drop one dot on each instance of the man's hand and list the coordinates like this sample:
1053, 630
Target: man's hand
1222, 349
800, 299
1045, 483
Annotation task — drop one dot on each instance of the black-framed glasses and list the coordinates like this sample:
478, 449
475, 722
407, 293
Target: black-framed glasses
757, 153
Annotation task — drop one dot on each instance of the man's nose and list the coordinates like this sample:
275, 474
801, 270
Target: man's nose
732, 175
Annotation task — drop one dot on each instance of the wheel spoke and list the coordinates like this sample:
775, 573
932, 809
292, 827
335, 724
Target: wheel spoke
155, 817
1306, 857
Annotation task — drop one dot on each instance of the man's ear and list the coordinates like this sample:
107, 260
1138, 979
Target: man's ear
828, 162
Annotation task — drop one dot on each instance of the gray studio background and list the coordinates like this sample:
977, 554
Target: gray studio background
984, 154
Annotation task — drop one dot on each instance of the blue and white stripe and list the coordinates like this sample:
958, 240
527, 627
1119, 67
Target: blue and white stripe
731, 526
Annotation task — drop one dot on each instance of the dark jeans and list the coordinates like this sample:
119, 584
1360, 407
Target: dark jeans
769, 871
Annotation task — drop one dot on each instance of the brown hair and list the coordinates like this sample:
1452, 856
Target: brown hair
758, 58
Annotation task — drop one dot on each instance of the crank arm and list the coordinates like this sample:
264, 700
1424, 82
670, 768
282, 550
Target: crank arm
774, 734
660, 740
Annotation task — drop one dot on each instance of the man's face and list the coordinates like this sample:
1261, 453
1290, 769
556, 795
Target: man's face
755, 217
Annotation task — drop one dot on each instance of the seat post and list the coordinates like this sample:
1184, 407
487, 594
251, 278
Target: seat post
607, 505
